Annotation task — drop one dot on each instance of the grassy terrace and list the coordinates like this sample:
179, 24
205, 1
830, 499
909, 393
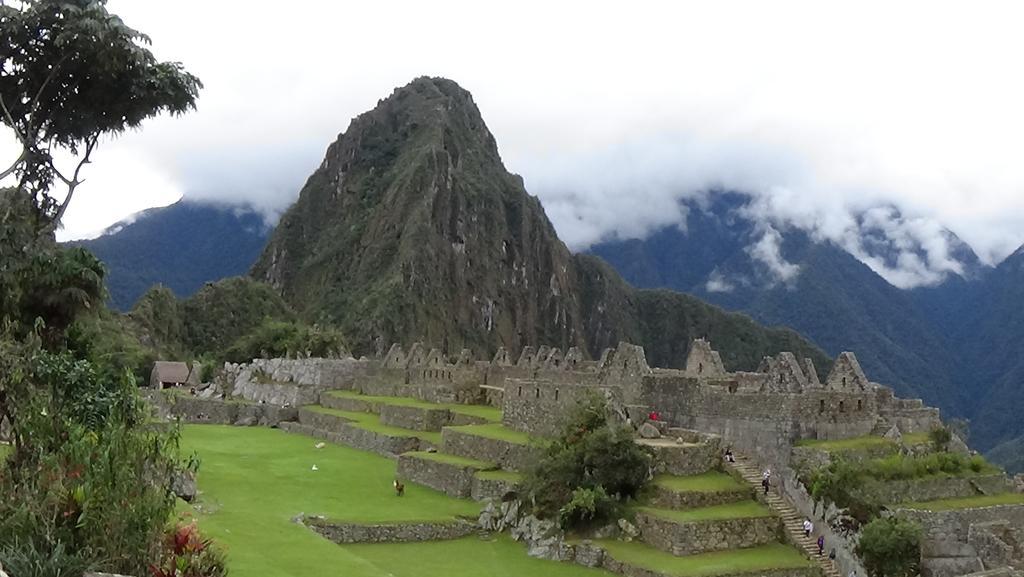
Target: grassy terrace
371, 422
254, 480
765, 557
452, 460
967, 502
710, 482
494, 431
740, 510
492, 414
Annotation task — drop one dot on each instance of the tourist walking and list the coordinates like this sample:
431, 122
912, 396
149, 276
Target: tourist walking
765, 483
821, 545
808, 527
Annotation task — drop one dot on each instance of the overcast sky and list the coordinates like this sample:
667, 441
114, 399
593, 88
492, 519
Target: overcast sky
612, 113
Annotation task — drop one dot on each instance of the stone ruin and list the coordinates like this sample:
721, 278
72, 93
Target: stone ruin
762, 413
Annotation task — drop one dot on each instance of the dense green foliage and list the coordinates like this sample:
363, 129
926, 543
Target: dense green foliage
275, 339
853, 484
86, 479
182, 247
589, 470
890, 547
88, 484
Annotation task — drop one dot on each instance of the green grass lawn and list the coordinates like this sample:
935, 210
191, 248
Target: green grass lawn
915, 438
765, 557
452, 460
254, 480
740, 510
710, 482
371, 422
967, 502
489, 413
865, 442
495, 431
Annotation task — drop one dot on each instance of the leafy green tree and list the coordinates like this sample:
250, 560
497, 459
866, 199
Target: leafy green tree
71, 72
890, 547
589, 470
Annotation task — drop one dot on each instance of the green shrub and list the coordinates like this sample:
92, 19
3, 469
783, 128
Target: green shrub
587, 507
890, 547
940, 438
285, 339
592, 455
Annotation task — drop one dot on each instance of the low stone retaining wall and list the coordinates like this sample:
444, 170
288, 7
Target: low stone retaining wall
451, 479
690, 538
505, 454
415, 418
361, 439
484, 489
943, 488
592, 553
318, 420
669, 499
807, 458
348, 404
684, 459
955, 525
218, 411
345, 533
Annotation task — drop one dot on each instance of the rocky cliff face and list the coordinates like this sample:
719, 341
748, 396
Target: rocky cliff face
412, 229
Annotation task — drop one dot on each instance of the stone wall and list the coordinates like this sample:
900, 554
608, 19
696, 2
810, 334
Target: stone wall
451, 479
322, 421
930, 489
217, 411
668, 499
998, 543
424, 419
505, 454
292, 381
541, 406
705, 536
955, 525
361, 439
493, 489
608, 561
345, 533
415, 418
677, 458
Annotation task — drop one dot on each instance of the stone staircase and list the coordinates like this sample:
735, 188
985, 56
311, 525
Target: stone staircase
791, 518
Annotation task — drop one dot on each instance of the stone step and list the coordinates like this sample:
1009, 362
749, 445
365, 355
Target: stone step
350, 435
792, 521
314, 416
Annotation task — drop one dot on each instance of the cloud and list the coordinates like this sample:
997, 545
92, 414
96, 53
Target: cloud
717, 283
768, 252
612, 115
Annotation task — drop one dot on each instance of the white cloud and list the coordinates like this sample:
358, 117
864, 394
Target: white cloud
768, 251
717, 283
613, 113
